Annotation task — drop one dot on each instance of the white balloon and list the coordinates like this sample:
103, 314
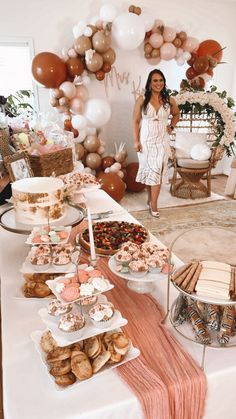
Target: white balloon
88, 31
86, 80
101, 149
107, 170
87, 170
121, 174
114, 169
117, 165
179, 52
148, 21
72, 53
186, 55
180, 61
97, 111
79, 122
128, 31
91, 130
82, 135
108, 12
94, 20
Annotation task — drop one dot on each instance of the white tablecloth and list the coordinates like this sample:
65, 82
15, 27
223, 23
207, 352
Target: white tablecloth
28, 392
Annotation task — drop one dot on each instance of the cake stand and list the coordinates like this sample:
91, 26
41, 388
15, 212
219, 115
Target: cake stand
73, 216
142, 285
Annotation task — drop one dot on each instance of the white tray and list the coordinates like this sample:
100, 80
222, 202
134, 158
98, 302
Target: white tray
52, 286
28, 268
89, 330
36, 336
35, 229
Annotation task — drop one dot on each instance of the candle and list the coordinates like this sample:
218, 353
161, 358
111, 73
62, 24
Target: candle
91, 238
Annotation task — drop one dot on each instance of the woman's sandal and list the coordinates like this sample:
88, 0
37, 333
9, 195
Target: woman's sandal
155, 214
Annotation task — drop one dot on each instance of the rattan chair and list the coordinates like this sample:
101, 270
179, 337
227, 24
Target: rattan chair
188, 174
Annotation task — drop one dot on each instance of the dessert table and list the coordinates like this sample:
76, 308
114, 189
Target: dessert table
27, 390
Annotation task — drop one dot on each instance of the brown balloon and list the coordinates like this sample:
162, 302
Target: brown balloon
80, 151
109, 56
112, 184
148, 48
198, 83
192, 59
67, 125
91, 143
101, 42
82, 44
75, 66
177, 42
132, 185
190, 73
100, 75
201, 64
94, 29
93, 160
95, 63
107, 162
182, 36
48, 69
106, 67
155, 53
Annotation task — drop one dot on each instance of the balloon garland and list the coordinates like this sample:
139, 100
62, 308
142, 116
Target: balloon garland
92, 55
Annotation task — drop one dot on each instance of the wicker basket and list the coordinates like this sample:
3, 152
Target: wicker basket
58, 162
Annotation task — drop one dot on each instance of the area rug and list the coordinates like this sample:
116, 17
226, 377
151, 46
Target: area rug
137, 201
214, 234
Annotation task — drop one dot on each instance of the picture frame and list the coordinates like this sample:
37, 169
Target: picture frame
18, 166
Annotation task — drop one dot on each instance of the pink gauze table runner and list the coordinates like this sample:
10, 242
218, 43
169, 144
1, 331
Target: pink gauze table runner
167, 381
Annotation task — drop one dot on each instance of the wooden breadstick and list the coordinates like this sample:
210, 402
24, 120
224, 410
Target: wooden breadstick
192, 283
180, 271
189, 277
182, 277
232, 283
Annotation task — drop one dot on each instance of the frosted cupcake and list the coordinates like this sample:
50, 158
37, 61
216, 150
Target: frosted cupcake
101, 314
154, 264
61, 261
71, 322
57, 308
123, 258
129, 247
40, 262
149, 248
87, 303
138, 268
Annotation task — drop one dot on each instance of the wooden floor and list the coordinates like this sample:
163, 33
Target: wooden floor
218, 186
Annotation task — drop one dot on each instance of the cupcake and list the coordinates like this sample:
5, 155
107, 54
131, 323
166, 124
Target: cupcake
138, 268
140, 254
61, 261
130, 247
123, 258
63, 248
154, 264
40, 262
87, 303
71, 322
149, 248
101, 314
57, 308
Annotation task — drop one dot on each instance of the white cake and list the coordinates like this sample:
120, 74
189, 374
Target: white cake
35, 199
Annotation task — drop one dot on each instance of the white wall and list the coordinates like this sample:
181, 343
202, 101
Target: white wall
50, 24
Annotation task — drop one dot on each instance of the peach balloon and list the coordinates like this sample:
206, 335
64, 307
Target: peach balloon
91, 143
82, 92
95, 63
68, 89
93, 160
190, 44
80, 151
169, 34
157, 24
101, 42
156, 40
168, 51
76, 105
109, 56
82, 44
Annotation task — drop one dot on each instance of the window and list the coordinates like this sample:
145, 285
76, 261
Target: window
15, 66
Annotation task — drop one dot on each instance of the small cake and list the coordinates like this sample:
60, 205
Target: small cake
71, 322
130, 247
101, 314
149, 247
87, 302
60, 261
40, 262
122, 257
63, 248
56, 308
138, 268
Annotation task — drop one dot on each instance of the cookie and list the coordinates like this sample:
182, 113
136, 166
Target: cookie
47, 342
81, 366
61, 368
59, 354
65, 380
100, 361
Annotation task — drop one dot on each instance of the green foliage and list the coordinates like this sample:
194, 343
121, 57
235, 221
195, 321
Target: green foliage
19, 102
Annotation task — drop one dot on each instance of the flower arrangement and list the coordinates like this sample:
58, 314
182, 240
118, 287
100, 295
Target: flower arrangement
211, 101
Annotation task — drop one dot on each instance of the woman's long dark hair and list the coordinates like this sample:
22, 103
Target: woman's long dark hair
148, 91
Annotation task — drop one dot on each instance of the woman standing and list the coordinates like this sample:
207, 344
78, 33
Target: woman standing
151, 135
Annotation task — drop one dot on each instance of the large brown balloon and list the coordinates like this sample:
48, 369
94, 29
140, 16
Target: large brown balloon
112, 184
132, 185
101, 42
201, 64
210, 47
107, 162
91, 143
48, 69
82, 44
93, 160
75, 66
95, 63
109, 56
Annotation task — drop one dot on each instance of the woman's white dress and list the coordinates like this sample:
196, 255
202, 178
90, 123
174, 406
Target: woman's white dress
155, 142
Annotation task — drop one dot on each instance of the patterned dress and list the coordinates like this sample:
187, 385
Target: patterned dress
155, 142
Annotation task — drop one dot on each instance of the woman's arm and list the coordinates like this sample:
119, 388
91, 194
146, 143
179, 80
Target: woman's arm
175, 115
136, 122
